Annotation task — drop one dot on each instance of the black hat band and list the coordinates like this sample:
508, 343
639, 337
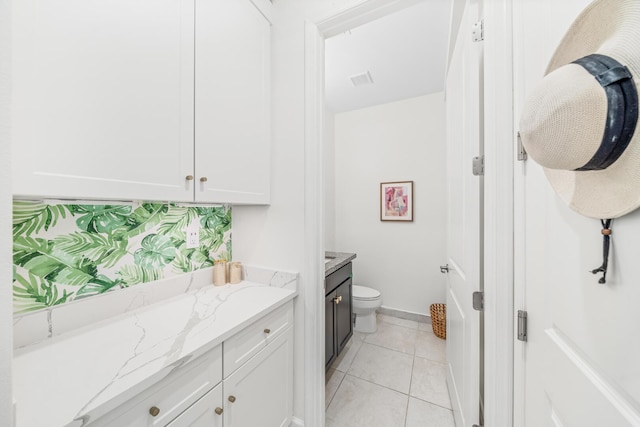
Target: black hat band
622, 108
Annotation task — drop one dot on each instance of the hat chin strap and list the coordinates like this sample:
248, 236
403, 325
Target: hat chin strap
622, 108
606, 238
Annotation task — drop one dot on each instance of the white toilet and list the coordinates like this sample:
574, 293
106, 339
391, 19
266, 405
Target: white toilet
365, 303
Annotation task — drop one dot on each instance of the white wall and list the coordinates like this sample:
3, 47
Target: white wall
329, 182
6, 300
400, 141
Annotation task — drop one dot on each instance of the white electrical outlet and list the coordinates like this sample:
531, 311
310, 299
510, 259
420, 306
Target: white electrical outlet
193, 238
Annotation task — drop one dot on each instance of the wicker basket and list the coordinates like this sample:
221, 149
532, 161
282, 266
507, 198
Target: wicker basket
439, 320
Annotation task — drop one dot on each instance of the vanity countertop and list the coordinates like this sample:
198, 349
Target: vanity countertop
72, 378
336, 261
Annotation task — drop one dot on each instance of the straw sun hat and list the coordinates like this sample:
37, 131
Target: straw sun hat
579, 123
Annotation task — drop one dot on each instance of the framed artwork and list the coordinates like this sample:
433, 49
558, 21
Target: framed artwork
396, 201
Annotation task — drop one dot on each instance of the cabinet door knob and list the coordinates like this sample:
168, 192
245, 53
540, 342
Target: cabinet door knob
203, 179
267, 331
154, 411
189, 177
338, 299
218, 410
232, 399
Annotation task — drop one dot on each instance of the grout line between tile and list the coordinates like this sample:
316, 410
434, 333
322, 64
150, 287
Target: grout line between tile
378, 385
336, 391
413, 363
387, 348
431, 403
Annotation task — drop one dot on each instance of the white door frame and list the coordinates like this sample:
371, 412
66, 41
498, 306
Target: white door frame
499, 143
498, 246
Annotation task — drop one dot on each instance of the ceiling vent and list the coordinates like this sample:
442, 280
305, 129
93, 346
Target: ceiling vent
361, 79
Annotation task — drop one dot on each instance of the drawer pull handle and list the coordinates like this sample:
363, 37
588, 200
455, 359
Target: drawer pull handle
338, 299
218, 410
189, 177
154, 411
267, 331
232, 399
203, 179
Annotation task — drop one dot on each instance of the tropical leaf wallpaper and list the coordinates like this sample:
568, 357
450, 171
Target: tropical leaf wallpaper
64, 252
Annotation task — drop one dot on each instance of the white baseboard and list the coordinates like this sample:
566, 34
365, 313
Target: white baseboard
296, 422
407, 315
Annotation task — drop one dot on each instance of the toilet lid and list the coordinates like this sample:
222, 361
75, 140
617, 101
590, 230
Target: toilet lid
364, 293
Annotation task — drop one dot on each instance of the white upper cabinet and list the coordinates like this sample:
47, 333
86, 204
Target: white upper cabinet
232, 101
104, 96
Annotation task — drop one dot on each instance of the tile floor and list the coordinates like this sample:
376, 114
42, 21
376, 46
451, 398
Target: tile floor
395, 377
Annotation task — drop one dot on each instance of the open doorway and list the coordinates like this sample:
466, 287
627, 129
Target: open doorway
383, 122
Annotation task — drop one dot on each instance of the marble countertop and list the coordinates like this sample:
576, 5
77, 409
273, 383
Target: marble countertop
337, 261
78, 376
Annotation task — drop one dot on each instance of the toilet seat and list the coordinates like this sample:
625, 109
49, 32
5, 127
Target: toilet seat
364, 293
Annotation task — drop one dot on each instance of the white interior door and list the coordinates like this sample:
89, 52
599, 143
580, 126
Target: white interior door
464, 199
579, 366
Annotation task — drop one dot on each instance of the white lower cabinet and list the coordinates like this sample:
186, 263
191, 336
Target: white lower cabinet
256, 392
260, 392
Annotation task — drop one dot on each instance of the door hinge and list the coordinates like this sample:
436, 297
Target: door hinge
478, 166
522, 153
478, 300
477, 31
522, 325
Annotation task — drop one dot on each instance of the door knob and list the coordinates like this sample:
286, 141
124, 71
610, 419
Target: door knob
444, 268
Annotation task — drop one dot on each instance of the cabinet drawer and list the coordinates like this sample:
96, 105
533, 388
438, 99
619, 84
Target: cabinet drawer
244, 345
336, 278
171, 396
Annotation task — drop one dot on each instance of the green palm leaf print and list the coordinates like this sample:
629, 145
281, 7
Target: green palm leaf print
43, 259
30, 217
100, 218
102, 249
176, 220
134, 274
156, 251
98, 285
142, 219
35, 293
215, 218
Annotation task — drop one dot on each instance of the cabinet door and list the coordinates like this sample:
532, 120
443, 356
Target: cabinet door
329, 330
260, 393
103, 98
344, 315
232, 127
203, 412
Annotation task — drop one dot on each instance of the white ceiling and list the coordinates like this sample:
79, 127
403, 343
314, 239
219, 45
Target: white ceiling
404, 52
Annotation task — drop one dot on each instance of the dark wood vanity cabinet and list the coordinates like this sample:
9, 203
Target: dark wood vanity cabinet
338, 313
